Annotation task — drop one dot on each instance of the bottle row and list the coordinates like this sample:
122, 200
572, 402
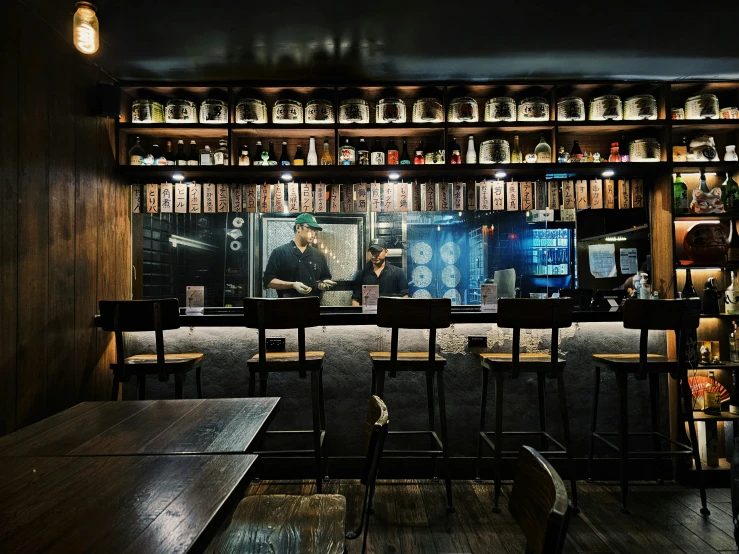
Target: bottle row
704, 201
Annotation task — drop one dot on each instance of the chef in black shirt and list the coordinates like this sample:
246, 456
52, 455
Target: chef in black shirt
392, 279
298, 268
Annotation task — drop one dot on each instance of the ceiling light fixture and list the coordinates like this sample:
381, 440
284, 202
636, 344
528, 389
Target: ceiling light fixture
85, 28
500, 174
286, 177
608, 173
178, 176
393, 175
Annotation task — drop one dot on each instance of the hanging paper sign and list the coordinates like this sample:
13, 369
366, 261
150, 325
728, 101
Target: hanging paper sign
222, 196
568, 195
166, 202
320, 198
279, 198
527, 196
293, 197
444, 204
609, 194
180, 198
388, 197
136, 199
416, 196
458, 197
265, 194
470, 194
512, 196
498, 196
237, 197
430, 197
209, 198
251, 198
596, 194
485, 200
152, 198
624, 195
402, 197
554, 195
306, 197
348, 198
375, 197
541, 198
361, 190
581, 194
334, 199
193, 198
637, 193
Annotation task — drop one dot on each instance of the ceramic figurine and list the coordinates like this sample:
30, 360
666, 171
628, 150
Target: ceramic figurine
730, 155
707, 202
702, 149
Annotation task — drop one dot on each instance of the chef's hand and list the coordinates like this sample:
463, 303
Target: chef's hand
326, 284
301, 288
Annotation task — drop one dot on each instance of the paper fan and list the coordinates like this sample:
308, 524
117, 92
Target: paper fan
698, 384
421, 293
421, 253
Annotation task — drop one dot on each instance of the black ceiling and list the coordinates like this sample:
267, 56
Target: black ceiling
306, 42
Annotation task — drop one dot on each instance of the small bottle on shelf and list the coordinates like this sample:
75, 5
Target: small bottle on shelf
206, 156
157, 156
220, 156
471, 157
392, 153
169, 154
576, 152
419, 158
703, 184
615, 156
258, 154
272, 159
284, 157
623, 149
680, 195
730, 194
192, 157
181, 157
347, 153
516, 154
244, 156
312, 158
455, 156
734, 399
136, 154
377, 156
405, 159
731, 296
689, 290
326, 157
299, 158
363, 157
543, 151
732, 243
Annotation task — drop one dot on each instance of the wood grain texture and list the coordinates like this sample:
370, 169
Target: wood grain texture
148, 427
115, 504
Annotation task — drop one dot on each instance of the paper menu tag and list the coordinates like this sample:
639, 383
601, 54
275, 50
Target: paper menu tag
293, 198
596, 194
471, 196
279, 198
370, 295
581, 191
458, 197
375, 197
512, 196
320, 198
250, 197
194, 198
637, 193
265, 192
489, 298
136, 199
498, 195
166, 203
444, 204
361, 190
222, 198
527, 196
180, 198
152, 198
568, 195
388, 202
334, 198
348, 198
306, 197
402, 197
609, 194
485, 196
209, 198
195, 300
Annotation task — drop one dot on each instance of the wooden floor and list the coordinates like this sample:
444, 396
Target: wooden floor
410, 517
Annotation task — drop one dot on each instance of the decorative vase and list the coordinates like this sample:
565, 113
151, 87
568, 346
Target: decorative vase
730, 155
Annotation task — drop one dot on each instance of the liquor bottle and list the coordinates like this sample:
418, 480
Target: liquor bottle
284, 158
455, 152
181, 158
731, 296
543, 151
471, 157
169, 154
516, 154
680, 196
206, 156
257, 159
405, 159
244, 157
703, 185
576, 153
192, 157
326, 157
734, 399
711, 397
419, 158
272, 160
732, 253
623, 149
377, 156
312, 158
615, 156
392, 153
730, 194
137, 153
299, 158
363, 157
347, 153
220, 156
157, 156
689, 289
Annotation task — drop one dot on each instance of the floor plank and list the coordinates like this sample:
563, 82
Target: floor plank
446, 528
414, 531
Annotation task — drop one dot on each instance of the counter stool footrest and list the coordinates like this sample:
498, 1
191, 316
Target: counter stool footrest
686, 448
409, 451
288, 453
487, 434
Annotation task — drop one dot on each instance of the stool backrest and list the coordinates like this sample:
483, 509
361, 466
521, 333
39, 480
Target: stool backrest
539, 503
282, 313
531, 313
122, 316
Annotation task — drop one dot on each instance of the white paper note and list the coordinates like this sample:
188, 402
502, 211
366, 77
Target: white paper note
602, 258
627, 260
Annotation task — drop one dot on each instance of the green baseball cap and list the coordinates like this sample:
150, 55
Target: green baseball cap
309, 220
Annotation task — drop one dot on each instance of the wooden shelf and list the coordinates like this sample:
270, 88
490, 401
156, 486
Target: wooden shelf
709, 217
708, 167
176, 130
723, 465
609, 126
725, 416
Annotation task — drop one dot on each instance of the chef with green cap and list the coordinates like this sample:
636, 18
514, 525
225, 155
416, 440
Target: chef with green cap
298, 268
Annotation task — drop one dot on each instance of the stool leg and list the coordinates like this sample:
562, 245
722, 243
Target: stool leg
498, 437
432, 419
483, 404
316, 430
115, 391
568, 442
374, 381
594, 421
654, 407
252, 383
623, 436
178, 386
322, 413
141, 386
262, 385
444, 440
542, 409
198, 381
380, 383
688, 400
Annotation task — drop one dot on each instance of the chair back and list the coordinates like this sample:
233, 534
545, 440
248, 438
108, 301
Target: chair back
282, 313
529, 313
681, 316
539, 503
121, 316
413, 313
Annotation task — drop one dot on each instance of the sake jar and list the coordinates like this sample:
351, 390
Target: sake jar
494, 151
533, 109
502, 108
463, 110
702, 106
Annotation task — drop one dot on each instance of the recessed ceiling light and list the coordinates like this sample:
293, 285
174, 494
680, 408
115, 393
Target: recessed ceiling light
500, 174
393, 175
286, 176
608, 173
178, 176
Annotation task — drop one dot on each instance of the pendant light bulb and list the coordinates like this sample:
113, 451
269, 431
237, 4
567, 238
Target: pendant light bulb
85, 28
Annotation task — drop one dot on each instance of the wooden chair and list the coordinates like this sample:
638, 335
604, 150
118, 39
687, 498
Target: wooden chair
127, 316
520, 313
416, 313
290, 313
307, 524
539, 503
682, 317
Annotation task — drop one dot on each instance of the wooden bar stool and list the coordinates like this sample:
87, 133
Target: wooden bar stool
416, 313
290, 313
128, 316
517, 314
683, 317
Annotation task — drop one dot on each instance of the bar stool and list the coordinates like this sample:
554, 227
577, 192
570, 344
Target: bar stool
517, 314
416, 313
128, 316
683, 317
290, 313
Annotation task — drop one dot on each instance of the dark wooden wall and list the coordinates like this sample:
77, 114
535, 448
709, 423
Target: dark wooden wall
64, 224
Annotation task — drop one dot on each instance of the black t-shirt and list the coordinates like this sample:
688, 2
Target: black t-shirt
392, 281
288, 263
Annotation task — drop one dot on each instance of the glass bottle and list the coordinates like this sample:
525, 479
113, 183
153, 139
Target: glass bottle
731, 296
284, 157
516, 154
543, 151
181, 157
711, 397
312, 158
645, 290
299, 158
377, 156
206, 156
689, 289
455, 152
471, 157
419, 158
615, 156
405, 159
347, 153
730, 194
169, 154
272, 160
363, 157
258, 154
220, 156
733, 357
326, 157
576, 153
158, 157
623, 149
703, 185
732, 253
136, 154
392, 153
679, 195
192, 157
244, 157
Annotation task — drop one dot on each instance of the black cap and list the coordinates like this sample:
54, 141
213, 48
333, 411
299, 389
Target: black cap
378, 244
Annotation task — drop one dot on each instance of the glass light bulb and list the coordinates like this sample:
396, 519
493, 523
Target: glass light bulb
85, 28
